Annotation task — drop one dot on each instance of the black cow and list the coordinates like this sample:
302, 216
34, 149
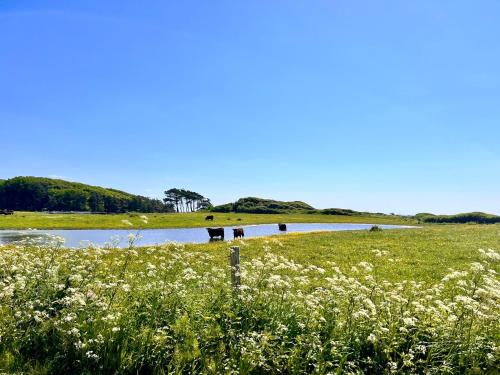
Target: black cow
210, 217
216, 232
282, 227
238, 233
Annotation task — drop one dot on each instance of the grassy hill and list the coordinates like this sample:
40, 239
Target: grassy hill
269, 206
40, 193
263, 206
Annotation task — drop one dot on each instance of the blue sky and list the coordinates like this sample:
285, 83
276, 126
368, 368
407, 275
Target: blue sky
389, 106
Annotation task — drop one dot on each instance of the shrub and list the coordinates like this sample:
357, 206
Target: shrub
223, 208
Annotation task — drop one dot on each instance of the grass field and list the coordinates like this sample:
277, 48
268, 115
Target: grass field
411, 301
423, 254
24, 220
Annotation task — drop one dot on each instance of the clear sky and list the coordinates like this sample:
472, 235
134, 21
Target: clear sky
389, 106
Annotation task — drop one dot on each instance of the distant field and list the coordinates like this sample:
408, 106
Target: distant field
24, 220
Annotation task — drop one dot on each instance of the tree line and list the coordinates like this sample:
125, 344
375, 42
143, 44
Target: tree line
186, 201
39, 194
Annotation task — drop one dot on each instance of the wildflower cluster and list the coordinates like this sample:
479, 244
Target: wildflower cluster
165, 309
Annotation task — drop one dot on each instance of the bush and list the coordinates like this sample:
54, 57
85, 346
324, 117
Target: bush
223, 208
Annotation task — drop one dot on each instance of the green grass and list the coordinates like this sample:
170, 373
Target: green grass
38, 220
387, 308
422, 254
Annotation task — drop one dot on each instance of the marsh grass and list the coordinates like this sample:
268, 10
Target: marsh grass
171, 308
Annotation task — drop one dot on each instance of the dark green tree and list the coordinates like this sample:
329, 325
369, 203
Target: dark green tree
185, 200
39, 193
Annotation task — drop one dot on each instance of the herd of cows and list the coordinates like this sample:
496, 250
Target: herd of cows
237, 232
6, 212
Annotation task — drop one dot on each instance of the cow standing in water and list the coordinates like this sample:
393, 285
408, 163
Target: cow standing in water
216, 232
282, 227
210, 217
238, 233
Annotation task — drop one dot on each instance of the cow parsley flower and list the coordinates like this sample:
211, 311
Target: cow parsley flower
372, 338
90, 354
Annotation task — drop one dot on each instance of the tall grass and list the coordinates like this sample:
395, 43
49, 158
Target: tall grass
165, 309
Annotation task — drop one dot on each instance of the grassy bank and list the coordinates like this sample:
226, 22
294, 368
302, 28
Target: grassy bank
38, 220
399, 301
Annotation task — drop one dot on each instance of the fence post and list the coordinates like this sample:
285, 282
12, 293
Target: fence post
234, 262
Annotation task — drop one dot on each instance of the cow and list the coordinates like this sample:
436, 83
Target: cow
216, 232
6, 212
238, 233
282, 227
210, 217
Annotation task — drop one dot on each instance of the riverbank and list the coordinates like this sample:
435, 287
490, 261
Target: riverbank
39, 220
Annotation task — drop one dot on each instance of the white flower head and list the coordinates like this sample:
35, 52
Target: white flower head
371, 337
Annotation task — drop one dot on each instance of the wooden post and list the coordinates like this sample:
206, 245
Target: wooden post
234, 262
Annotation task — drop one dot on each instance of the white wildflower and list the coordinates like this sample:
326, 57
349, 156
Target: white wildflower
372, 338
477, 267
90, 354
126, 288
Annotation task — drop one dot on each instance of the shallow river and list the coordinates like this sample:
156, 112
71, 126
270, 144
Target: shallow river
81, 237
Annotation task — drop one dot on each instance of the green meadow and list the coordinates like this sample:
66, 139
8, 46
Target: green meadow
40, 220
422, 300
424, 253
